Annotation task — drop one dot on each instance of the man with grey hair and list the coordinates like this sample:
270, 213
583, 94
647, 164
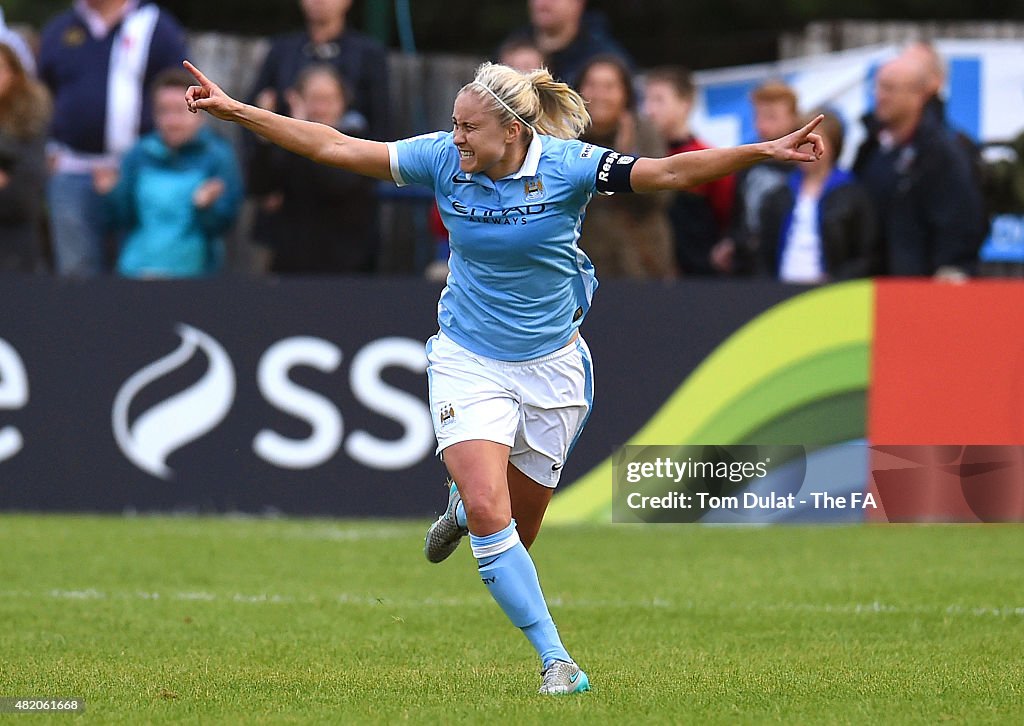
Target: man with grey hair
928, 202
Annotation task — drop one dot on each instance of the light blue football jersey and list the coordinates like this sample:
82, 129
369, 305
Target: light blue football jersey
518, 284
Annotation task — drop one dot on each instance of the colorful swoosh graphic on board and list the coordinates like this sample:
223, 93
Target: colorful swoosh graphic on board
796, 374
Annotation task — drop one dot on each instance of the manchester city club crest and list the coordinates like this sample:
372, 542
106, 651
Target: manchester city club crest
534, 189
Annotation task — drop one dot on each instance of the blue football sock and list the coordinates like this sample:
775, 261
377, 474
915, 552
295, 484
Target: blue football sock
508, 571
460, 515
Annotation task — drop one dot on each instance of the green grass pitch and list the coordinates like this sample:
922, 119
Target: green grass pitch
208, 620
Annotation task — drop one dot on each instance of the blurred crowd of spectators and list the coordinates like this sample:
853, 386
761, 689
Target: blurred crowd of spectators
102, 169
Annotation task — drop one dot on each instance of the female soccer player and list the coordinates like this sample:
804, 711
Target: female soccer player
510, 378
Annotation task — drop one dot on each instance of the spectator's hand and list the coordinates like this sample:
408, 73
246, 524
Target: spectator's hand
271, 203
267, 99
801, 145
207, 193
104, 179
723, 255
208, 96
4, 179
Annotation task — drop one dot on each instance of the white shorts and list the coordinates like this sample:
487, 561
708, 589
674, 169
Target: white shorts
537, 407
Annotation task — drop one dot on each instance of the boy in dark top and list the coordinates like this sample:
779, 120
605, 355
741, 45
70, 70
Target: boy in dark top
699, 216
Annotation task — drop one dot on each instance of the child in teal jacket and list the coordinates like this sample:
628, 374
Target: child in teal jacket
179, 190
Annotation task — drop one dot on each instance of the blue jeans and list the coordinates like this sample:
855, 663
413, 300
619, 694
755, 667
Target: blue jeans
77, 225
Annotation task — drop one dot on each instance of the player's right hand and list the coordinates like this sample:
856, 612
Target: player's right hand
209, 97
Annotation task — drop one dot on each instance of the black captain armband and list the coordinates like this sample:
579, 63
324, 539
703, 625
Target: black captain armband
613, 172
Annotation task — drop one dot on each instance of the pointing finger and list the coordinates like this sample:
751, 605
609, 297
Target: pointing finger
813, 124
203, 80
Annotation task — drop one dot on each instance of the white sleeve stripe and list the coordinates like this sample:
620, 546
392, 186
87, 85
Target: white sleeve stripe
396, 173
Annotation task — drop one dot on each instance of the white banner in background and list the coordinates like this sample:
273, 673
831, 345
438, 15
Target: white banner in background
985, 90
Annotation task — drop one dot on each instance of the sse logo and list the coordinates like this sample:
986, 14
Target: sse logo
149, 437
13, 395
156, 433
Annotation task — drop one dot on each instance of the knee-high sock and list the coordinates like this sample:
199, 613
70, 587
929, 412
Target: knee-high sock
508, 571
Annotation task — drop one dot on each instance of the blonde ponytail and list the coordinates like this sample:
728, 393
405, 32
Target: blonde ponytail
563, 111
535, 98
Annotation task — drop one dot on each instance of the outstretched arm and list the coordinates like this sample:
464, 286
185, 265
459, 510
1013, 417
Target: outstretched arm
693, 168
315, 141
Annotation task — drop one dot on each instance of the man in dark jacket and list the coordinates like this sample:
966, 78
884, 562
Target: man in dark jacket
702, 215
362, 64
360, 60
928, 202
568, 37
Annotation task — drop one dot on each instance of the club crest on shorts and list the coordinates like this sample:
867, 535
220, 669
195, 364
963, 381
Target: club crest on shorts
533, 189
446, 413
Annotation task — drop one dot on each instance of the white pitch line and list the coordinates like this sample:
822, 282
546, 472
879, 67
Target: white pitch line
202, 596
89, 594
340, 534
483, 600
325, 533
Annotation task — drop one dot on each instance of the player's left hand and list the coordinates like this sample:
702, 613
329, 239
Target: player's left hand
209, 97
801, 145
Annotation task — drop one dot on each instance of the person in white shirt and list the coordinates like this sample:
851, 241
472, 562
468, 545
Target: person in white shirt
820, 225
